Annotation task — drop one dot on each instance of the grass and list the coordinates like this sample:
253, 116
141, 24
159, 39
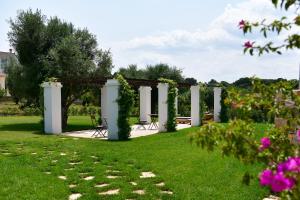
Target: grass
27, 157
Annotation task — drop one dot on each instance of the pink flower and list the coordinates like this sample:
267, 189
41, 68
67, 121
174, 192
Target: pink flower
265, 143
298, 135
291, 165
281, 183
266, 177
248, 44
242, 24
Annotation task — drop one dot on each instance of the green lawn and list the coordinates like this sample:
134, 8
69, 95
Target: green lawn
30, 164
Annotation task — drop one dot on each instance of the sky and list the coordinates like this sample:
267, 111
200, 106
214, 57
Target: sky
199, 37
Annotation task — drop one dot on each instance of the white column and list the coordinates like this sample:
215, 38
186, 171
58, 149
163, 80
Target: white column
103, 103
195, 105
162, 106
176, 102
112, 89
145, 103
217, 103
2, 81
52, 107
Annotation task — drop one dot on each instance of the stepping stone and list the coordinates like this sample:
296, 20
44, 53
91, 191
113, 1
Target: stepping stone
94, 157
96, 162
133, 183
72, 186
70, 169
101, 185
54, 161
147, 175
62, 154
160, 184
33, 153
74, 163
62, 177
47, 172
88, 178
113, 171
112, 177
140, 192
166, 192
110, 192
75, 196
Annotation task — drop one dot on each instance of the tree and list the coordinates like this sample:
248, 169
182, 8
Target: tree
132, 72
292, 41
53, 48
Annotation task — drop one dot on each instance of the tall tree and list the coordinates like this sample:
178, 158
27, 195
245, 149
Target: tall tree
53, 48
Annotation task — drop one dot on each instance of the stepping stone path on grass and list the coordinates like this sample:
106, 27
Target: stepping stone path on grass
110, 192
102, 185
112, 177
75, 196
72, 186
62, 177
133, 183
147, 175
88, 178
160, 184
166, 192
140, 192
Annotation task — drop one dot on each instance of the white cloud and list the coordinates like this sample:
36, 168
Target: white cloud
215, 52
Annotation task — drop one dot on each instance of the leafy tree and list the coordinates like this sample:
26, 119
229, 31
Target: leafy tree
53, 48
132, 72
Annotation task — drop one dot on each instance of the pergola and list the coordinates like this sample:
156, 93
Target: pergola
109, 106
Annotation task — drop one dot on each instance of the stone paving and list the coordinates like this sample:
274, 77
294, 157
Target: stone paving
137, 131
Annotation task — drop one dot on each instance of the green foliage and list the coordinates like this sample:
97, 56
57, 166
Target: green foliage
224, 115
172, 93
2, 93
52, 48
292, 41
126, 102
239, 138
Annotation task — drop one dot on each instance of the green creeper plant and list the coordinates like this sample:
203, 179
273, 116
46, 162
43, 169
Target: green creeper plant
125, 102
172, 93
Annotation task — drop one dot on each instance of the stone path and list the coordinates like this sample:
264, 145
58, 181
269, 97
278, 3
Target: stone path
82, 176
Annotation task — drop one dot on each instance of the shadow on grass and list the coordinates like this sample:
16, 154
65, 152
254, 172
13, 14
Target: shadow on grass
36, 127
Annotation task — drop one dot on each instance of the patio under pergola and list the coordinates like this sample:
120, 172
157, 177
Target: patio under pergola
109, 107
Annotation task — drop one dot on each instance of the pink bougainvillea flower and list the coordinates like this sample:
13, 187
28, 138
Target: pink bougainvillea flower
266, 177
265, 143
242, 24
298, 135
248, 44
291, 165
281, 183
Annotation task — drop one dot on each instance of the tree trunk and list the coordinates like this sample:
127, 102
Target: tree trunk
64, 117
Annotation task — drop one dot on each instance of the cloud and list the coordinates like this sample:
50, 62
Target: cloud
214, 52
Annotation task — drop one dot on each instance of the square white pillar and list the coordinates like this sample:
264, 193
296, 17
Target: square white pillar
103, 103
52, 107
145, 103
195, 105
112, 112
162, 106
217, 103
